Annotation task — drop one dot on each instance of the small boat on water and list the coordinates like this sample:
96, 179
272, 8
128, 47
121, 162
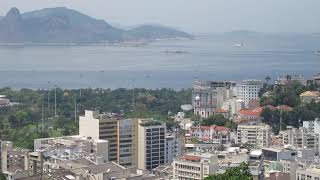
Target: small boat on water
238, 45
317, 52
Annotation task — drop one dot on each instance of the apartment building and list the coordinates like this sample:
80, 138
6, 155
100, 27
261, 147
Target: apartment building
312, 126
101, 126
174, 146
211, 134
126, 142
259, 135
300, 138
248, 90
151, 144
207, 96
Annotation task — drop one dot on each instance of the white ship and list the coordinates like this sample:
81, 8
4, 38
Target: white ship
238, 45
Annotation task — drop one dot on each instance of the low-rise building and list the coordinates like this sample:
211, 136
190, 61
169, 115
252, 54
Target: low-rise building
311, 173
310, 96
289, 78
259, 135
211, 134
196, 166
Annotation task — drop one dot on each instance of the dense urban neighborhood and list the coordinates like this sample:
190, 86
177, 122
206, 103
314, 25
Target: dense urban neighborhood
253, 129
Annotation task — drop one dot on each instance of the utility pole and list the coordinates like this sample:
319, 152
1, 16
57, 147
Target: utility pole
133, 99
75, 108
281, 119
42, 115
55, 101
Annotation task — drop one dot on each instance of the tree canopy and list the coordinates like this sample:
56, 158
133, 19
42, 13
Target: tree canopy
241, 172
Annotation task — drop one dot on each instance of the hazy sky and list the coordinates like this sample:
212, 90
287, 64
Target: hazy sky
194, 15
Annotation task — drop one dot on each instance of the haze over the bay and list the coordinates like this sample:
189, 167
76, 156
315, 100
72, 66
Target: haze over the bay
195, 16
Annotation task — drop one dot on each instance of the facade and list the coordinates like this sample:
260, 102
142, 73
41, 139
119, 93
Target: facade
126, 142
151, 143
211, 134
197, 166
289, 78
233, 106
248, 90
174, 147
312, 126
14, 162
259, 135
251, 114
73, 147
311, 173
316, 78
300, 138
310, 96
101, 126
207, 96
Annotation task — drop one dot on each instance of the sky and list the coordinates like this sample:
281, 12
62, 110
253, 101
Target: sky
194, 16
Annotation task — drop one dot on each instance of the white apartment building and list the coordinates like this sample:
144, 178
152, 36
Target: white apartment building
259, 135
312, 126
249, 90
174, 147
211, 134
300, 138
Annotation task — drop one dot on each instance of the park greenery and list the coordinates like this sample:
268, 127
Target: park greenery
215, 119
288, 95
241, 172
22, 123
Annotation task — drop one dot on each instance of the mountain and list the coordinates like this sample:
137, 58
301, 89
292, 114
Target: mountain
149, 31
63, 25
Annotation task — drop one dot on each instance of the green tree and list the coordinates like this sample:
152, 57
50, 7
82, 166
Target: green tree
241, 172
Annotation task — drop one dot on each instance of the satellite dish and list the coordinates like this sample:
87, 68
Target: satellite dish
186, 107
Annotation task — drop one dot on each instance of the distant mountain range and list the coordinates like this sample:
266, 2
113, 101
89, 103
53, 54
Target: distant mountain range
63, 25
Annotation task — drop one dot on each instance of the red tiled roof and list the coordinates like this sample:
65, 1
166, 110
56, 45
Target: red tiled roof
270, 107
205, 138
220, 111
214, 127
285, 108
248, 112
191, 158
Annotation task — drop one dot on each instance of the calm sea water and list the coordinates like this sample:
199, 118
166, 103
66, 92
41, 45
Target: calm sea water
150, 66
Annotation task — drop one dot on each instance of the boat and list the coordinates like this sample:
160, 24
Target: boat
238, 45
317, 52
